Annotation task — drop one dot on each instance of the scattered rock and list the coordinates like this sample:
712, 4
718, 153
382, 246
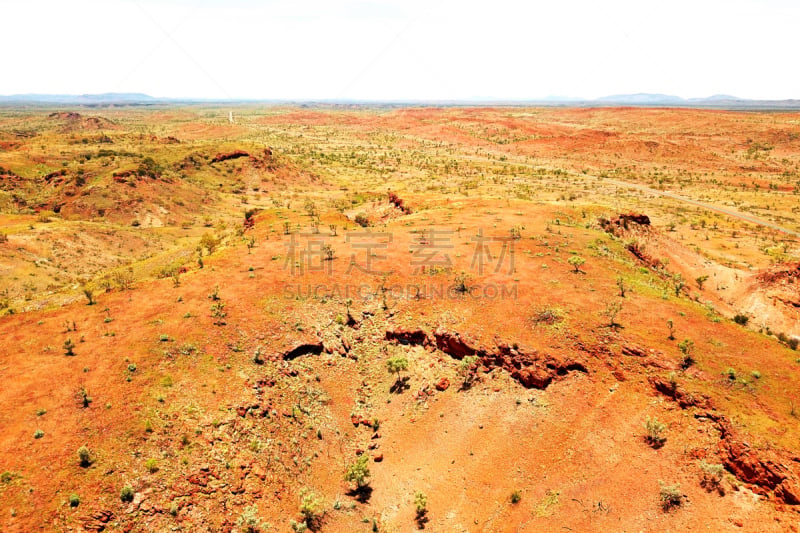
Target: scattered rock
443, 384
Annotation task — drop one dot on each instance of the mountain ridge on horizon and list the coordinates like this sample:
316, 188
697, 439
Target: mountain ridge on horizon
632, 99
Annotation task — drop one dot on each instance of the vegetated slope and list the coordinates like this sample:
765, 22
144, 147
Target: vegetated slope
547, 372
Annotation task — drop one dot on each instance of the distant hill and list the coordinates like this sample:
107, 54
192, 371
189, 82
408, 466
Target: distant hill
104, 98
723, 101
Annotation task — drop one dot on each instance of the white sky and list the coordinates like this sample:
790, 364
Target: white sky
401, 49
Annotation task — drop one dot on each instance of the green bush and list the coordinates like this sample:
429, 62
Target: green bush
126, 494
74, 500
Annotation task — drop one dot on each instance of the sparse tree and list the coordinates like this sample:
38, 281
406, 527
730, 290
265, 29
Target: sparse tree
397, 364
611, 311
678, 284
89, 293
576, 261
310, 505
358, 472
700, 280
671, 326
621, 286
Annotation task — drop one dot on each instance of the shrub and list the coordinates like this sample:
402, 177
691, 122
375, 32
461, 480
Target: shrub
420, 503
38, 434
69, 347
248, 521
310, 505
126, 494
516, 496
711, 478
654, 430
741, 319
358, 472
151, 465
547, 315
362, 220
84, 456
74, 500
671, 496
462, 283
467, 369
89, 293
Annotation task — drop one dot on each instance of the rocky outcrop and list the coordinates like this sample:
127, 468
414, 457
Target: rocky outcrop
231, 155
765, 471
313, 348
529, 367
415, 337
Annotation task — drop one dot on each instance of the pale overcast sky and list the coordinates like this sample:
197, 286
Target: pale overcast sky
401, 49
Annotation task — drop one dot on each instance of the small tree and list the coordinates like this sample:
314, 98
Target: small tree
69, 347
209, 242
218, 313
678, 284
310, 505
611, 311
89, 293
700, 280
358, 472
576, 261
621, 286
397, 364
686, 346
671, 326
